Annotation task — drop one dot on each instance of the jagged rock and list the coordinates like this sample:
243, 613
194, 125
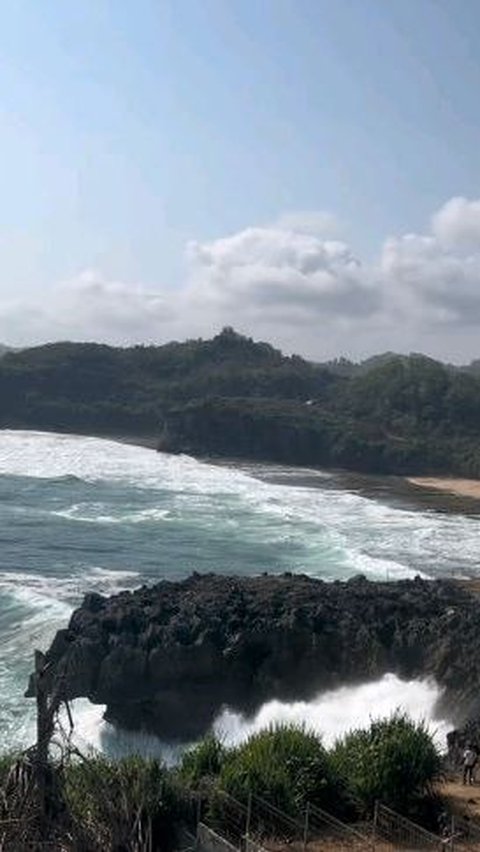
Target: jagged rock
167, 659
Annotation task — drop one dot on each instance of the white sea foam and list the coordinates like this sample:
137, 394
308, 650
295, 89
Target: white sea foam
47, 455
92, 733
340, 532
51, 596
334, 713
92, 513
32, 608
331, 714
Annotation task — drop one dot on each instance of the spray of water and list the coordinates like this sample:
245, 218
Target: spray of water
334, 713
330, 714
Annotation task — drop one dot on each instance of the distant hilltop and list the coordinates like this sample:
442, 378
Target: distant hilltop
235, 397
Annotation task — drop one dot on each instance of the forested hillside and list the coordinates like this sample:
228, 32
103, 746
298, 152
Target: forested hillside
233, 396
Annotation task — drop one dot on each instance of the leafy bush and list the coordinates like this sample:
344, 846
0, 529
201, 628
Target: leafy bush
394, 760
286, 765
205, 760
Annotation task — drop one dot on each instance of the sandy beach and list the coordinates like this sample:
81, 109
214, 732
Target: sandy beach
459, 487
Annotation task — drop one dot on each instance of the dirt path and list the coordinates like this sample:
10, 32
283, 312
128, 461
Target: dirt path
461, 799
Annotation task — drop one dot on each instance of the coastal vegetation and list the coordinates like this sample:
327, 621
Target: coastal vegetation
231, 396
94, 803
394, 760
111, 802
288, 766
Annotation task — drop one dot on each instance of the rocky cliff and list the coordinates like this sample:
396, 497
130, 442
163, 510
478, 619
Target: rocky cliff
167, 659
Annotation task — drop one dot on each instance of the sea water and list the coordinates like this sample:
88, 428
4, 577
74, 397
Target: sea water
81, 514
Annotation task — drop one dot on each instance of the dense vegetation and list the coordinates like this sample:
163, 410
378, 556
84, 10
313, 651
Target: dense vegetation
104, 799
136, 803
288, 766
394, 760
232, 396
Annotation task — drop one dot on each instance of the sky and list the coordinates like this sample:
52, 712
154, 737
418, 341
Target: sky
306, 171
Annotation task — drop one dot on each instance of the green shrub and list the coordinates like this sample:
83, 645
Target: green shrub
287, 766
107, 798
394, 761
203, 761
7, 760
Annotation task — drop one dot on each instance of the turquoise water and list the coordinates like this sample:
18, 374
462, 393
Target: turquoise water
80, 514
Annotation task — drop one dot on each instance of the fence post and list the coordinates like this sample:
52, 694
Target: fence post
249, 816
306, 826
198, 817
375, 823
150, 835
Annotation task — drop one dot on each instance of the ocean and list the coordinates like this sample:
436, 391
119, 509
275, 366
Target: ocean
81, 514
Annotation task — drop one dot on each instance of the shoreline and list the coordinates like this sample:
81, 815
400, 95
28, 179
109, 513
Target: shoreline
455, 486
448, 485
148, 442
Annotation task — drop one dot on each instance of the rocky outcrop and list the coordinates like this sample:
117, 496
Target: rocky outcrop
166, 659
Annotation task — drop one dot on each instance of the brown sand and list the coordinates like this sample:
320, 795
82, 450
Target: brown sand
459, 487
461, 800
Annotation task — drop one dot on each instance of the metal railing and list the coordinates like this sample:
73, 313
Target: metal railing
398, 832
324, 827
273, 830
258, 823
225, 815
465, 834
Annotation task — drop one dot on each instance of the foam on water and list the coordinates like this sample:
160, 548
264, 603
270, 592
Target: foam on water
93, 734
338, 711
32, 609
331, 714
56, 456
347, 532
92, 513
52, 599
81, 514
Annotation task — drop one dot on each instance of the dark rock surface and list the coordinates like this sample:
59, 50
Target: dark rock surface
167, 659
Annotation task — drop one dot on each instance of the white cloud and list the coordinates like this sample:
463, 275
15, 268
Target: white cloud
436, 277
293, 283
276, 275
121, 312
87, 308
457, 225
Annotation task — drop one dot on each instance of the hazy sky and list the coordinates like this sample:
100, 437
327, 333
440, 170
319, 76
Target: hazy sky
305, 170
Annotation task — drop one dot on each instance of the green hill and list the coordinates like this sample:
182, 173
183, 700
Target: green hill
233, 396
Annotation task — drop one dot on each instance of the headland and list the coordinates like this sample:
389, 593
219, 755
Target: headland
166, 659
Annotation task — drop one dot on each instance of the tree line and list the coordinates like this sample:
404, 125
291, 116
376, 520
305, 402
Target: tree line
233, 396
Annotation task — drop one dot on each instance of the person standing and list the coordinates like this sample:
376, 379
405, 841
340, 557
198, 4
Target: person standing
469, 761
